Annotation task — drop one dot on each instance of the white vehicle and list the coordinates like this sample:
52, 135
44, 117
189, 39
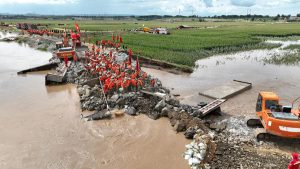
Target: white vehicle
161, 31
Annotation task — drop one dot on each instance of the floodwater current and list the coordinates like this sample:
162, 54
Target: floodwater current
40, 127
246, 66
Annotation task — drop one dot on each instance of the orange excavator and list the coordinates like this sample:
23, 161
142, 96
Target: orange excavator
64, 49
275, 119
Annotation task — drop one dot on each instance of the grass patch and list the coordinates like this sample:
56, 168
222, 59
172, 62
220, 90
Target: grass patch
43, 48
287, 59
293, 47
21, 39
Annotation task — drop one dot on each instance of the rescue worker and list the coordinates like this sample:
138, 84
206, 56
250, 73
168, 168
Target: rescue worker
66, 61
98, 51
110, 54
129, 56
294, 164
93, 48
75, 58
152, 81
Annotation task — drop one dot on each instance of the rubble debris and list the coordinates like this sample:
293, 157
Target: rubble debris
130, 110
218, 127
58, 77
230, 155
191, 131
197, 150
99, 115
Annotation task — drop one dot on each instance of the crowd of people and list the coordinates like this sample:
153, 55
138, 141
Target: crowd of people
116, 76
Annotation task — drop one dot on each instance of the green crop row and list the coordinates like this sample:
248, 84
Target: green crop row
184, 47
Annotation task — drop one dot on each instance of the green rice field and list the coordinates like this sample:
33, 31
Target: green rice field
183, 47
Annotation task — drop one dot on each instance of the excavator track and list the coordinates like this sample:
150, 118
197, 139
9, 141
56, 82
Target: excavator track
262, 135
254, 123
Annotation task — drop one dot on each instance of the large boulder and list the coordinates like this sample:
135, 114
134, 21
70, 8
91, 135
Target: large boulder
165, 111
154, 115
130, 110
99, 115
160, 105
173, 101
179, 126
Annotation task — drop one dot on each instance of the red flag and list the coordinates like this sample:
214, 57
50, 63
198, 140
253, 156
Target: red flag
137, 65
110, 54
74, 57
121, 39
77, 27
73, 35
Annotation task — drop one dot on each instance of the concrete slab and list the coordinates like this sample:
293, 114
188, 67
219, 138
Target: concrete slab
227, 90
57, 77
46, 66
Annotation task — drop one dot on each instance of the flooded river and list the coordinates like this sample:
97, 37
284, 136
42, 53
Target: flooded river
40, 127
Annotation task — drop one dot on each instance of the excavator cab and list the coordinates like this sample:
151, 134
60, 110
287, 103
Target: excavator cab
274, 118
267, 101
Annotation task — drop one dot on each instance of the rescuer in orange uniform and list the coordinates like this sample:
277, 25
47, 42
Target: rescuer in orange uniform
294, 164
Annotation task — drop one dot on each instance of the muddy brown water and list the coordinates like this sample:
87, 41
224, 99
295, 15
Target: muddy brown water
246, 66
40, 127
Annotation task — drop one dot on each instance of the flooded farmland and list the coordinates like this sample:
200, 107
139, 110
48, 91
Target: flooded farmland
246, 66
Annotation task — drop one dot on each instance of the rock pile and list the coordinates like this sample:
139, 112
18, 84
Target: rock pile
244, 156
238, 148
196, 151
46, 43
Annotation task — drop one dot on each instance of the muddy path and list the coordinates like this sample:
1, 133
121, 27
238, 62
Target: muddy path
41, 127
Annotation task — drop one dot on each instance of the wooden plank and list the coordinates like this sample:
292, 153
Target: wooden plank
211, 106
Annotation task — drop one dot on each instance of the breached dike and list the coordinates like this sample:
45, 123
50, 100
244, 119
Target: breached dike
155, 101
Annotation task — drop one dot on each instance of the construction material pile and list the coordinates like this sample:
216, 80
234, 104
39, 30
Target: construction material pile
196, 151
